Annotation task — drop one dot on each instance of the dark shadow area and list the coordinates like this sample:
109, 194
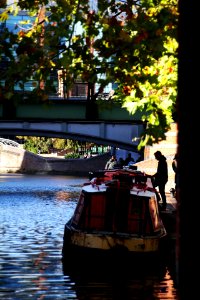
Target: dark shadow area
118, 278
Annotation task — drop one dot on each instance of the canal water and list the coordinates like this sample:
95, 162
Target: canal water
33, 212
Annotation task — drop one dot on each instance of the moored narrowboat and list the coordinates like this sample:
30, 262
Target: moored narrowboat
117, 213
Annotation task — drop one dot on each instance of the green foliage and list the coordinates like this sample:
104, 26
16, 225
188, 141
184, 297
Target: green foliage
59, 143
29, 145
130, 43
37, 144
73, 144
43, 145
72, 155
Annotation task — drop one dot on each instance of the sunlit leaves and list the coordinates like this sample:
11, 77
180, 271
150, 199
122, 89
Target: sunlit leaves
132, 44
4, 16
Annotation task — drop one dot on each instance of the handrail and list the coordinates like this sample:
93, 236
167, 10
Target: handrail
9, 142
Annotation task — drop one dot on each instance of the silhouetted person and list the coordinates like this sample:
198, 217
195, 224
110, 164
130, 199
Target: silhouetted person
128, 160
161, 176
120, 163
175, 169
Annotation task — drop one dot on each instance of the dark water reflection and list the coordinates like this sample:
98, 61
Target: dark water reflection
33, 211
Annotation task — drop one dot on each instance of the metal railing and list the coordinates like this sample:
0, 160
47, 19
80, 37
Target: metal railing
9, 142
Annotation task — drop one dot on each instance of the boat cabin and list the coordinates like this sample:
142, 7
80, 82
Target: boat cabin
118, 202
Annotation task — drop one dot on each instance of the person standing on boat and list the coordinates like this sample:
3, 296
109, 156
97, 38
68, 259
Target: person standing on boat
161, 177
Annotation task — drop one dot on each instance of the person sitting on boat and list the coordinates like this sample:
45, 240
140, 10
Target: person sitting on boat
85, 156
129, 160
120, 163
111, 163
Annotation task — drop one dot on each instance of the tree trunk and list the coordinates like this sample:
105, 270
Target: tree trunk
188, 253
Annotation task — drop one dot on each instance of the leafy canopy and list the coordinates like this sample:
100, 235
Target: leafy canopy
132, 44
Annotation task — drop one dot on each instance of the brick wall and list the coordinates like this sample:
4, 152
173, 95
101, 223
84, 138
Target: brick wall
167, 147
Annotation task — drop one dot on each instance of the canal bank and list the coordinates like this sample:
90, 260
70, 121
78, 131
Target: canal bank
77, 166
18, 160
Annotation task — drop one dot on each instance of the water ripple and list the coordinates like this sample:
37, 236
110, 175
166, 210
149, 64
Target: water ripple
34, 210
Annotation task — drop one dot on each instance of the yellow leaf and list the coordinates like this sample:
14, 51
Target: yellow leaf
3, 16
52, 63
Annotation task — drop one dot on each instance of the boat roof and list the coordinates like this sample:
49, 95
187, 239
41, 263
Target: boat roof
91, 188
109, 179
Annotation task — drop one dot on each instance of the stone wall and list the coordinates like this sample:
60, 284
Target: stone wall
17, 160
80, 166
149, 166
167, 146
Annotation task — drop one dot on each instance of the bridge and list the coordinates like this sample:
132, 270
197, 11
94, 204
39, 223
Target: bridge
107, 124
